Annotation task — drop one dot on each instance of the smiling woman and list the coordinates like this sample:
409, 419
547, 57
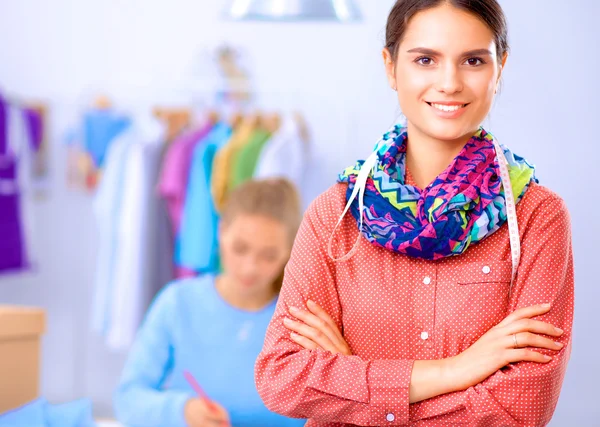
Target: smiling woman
447, 297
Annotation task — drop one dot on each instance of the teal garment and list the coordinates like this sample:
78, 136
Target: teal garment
190, 327
196, 246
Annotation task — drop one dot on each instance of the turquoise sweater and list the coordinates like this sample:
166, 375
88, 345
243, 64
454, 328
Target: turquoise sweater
190, 327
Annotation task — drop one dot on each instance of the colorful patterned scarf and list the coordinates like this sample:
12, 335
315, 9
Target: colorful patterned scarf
462, 206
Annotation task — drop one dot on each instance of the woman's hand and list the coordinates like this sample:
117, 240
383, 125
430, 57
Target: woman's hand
508, 342
316, 329
199, 413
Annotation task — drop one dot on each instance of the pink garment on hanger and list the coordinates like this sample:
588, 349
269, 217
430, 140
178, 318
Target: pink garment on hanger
172, 184
173, 179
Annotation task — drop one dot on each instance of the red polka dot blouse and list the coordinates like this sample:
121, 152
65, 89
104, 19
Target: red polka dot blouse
394, 310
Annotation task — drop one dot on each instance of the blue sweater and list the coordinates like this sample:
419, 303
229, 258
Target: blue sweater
190, 327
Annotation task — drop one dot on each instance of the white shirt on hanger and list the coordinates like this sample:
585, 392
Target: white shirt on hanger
130, 247
135, 254
107, 208
284, 155
135, 263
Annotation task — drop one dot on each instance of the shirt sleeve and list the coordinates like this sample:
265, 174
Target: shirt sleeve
524, 393
315, 384
139, 400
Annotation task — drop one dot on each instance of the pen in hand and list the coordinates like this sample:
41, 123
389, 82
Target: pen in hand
200, 392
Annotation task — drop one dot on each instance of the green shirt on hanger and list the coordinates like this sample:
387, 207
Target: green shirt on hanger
246, 158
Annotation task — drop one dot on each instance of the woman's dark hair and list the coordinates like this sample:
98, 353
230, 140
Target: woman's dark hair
489, 11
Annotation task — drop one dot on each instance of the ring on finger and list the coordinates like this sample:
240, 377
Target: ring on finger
515, 339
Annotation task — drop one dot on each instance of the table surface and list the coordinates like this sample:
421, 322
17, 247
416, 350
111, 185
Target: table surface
107, 423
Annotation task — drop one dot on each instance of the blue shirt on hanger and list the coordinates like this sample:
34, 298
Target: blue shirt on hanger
100, 127
196, 246
190, 327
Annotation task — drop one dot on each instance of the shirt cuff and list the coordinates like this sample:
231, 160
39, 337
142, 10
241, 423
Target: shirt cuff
175, 409
389, 385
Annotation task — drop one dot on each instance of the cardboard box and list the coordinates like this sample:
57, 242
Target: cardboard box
20, 335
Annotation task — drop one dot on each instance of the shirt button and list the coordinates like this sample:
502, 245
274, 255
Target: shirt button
486, 269
390, 417
424, 335
427, 280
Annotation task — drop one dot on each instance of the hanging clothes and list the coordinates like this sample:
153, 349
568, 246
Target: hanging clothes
12, 244
173, 180
143, 261
20, 141
285, 154
107, 208
175, 171
245, 159
196, 244
131, 244
100, 127
224, 158
17, 143
135, 249
34, 127
89, 144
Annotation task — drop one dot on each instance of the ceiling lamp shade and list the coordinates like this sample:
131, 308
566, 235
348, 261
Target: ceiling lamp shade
294, 10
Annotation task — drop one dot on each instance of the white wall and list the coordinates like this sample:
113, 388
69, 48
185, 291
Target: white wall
58, 50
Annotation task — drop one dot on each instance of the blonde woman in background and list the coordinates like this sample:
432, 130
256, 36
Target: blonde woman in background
214, 326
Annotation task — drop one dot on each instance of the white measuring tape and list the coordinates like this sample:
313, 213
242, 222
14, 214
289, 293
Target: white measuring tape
511, 211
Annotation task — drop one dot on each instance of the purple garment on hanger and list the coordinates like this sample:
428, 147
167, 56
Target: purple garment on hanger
12, 250
3, 127
35, 129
